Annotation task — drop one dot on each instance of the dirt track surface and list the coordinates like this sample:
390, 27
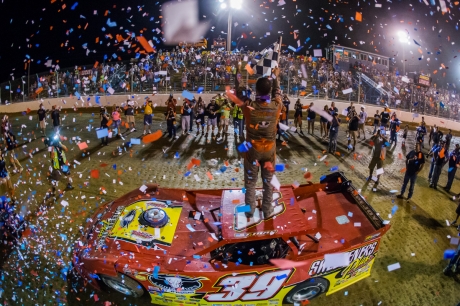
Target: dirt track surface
32, 271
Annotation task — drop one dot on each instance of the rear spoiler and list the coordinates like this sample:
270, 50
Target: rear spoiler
338, 182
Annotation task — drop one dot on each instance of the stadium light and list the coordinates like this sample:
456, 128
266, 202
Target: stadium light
232, 5
236, 4
404, 39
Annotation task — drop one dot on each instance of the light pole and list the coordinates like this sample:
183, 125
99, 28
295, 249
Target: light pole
232, 5
404, 39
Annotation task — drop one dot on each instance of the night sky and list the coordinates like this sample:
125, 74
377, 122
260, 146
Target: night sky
58, 30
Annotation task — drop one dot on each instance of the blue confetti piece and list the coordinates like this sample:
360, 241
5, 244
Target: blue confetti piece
448, 254
394, 209
280, 277
111, 24
74, 6
187, 173
279, 167
335, 168
223, 169
292, 201
155, 271
196, 256
187, 95
245, 208
322, 178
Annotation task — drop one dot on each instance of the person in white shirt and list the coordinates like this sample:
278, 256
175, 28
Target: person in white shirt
362, 122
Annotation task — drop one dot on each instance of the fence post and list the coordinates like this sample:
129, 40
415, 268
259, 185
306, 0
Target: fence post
359, 89
131, 86
23, 93
57, 84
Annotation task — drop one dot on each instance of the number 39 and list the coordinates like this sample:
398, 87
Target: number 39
247, 287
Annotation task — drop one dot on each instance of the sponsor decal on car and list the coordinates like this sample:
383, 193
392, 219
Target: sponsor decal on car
126, 220
142, 235
176, 283
263, 233
358, 256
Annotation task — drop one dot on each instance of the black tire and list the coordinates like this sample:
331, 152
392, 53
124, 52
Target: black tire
307, 290
123, 284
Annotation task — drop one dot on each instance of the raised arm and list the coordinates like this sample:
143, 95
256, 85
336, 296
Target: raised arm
276, 91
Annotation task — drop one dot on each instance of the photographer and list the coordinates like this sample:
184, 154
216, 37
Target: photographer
9, 140
59, 161
170, 116
199, 110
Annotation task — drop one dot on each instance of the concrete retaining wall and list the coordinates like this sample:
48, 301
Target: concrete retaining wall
71, 102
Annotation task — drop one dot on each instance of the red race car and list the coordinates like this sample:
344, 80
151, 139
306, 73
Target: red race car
197, 246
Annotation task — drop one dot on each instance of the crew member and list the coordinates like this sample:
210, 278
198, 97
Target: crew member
414, 164
42, 118
129, 113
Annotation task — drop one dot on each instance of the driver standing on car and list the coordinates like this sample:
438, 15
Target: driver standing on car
261, 124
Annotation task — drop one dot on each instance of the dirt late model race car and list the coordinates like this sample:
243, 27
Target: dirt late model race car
196, 247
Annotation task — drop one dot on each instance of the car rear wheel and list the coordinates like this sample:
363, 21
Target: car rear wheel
307, 290
123, 284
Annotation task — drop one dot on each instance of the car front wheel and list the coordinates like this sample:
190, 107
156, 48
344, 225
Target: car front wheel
306, 290
123, 284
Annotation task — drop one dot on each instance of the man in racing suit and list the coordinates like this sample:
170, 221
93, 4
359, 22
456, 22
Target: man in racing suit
262, 117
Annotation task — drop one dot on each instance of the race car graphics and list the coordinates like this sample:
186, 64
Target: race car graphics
250, 286
361, 261
126, 221
107, 226
319, 268
129, 229
176, 283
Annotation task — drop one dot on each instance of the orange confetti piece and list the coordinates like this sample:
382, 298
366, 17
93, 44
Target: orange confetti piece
209, 175
152, 137
144, 43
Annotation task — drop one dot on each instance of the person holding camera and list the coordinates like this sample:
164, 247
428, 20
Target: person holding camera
170, 117
199, 110
378, 155
59, 162
415, 161
9, 140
